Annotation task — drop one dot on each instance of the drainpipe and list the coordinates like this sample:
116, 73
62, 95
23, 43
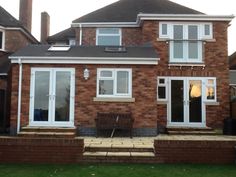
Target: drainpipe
19, 95
80, 34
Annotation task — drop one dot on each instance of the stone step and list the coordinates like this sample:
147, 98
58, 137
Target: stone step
189, 129
181, 132
48, 129
118, 149
48, 134
118, 154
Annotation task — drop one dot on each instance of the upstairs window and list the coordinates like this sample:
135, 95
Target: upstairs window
186, 40
2, 40
108, 37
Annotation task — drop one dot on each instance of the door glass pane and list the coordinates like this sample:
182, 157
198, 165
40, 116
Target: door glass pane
105, 87
195, 101
41, 95
161, 92
178, 49
62, 96
193, 50
177, 98
122, 82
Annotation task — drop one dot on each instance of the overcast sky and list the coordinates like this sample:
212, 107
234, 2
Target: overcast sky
62, 12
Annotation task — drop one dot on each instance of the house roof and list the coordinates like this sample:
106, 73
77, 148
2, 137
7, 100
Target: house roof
42, 51
62, 36
4, 63
7, 20
127, 11
232, 61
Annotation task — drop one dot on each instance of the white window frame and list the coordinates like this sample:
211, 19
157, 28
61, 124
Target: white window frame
206, 84
51, 107
161, 35
119, 34
3, 40
205, 36
165, 85
204, 87
114, 78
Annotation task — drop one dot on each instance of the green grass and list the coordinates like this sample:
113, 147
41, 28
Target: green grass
118, 170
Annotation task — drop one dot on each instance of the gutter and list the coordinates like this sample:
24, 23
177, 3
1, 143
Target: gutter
19, 95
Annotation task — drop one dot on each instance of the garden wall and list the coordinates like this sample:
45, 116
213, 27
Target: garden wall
40, 150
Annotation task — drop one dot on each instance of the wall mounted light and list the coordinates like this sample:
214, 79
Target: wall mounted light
86, 74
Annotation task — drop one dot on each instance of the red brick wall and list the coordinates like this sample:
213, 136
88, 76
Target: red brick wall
15, 40
145, 111
184, 151
20, 150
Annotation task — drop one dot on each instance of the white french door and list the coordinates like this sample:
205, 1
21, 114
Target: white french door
52, 97
185, 106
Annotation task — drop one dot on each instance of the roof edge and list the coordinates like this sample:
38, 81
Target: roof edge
172, 17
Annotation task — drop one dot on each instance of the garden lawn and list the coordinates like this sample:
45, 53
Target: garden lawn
118, 170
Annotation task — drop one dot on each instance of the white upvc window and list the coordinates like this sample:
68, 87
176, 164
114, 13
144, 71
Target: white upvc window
162, 89
114, 82
108, 37
186, 40
2, 39
210, 89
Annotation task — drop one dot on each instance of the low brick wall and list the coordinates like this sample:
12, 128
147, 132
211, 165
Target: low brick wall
40, 150
191, 151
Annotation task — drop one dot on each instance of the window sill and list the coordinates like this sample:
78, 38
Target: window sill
192, 65
113, 99
162, 102
212, 103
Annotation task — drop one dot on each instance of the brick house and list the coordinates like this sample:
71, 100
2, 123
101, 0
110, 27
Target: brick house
163, 62
13, 36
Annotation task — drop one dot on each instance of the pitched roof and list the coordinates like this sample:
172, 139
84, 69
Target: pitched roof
85, 51
62, 36
127, 10
232, 61
7, 20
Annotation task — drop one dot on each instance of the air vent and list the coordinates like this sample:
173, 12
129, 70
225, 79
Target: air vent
115, 49
58, 48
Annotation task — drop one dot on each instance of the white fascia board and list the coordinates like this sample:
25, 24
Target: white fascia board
106, 24
185, 17
86, 60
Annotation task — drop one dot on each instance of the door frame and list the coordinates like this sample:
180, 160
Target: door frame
186, 122
51, 106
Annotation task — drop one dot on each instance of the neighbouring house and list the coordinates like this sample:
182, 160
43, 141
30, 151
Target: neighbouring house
232, 76
165, 63
13, 36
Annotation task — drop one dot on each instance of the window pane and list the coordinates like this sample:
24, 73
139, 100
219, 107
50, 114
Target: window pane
164, 29
193, 50
106, 74
161, 92
207, 30
210, 93
109, 40
1, 40
62, 99
192, 32
108, 30
178, 32
161, 81
123, 82
210, 81
105, 87
178, 49
41, 97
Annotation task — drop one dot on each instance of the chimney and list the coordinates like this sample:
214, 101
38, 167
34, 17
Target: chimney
25, 15
45, 27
